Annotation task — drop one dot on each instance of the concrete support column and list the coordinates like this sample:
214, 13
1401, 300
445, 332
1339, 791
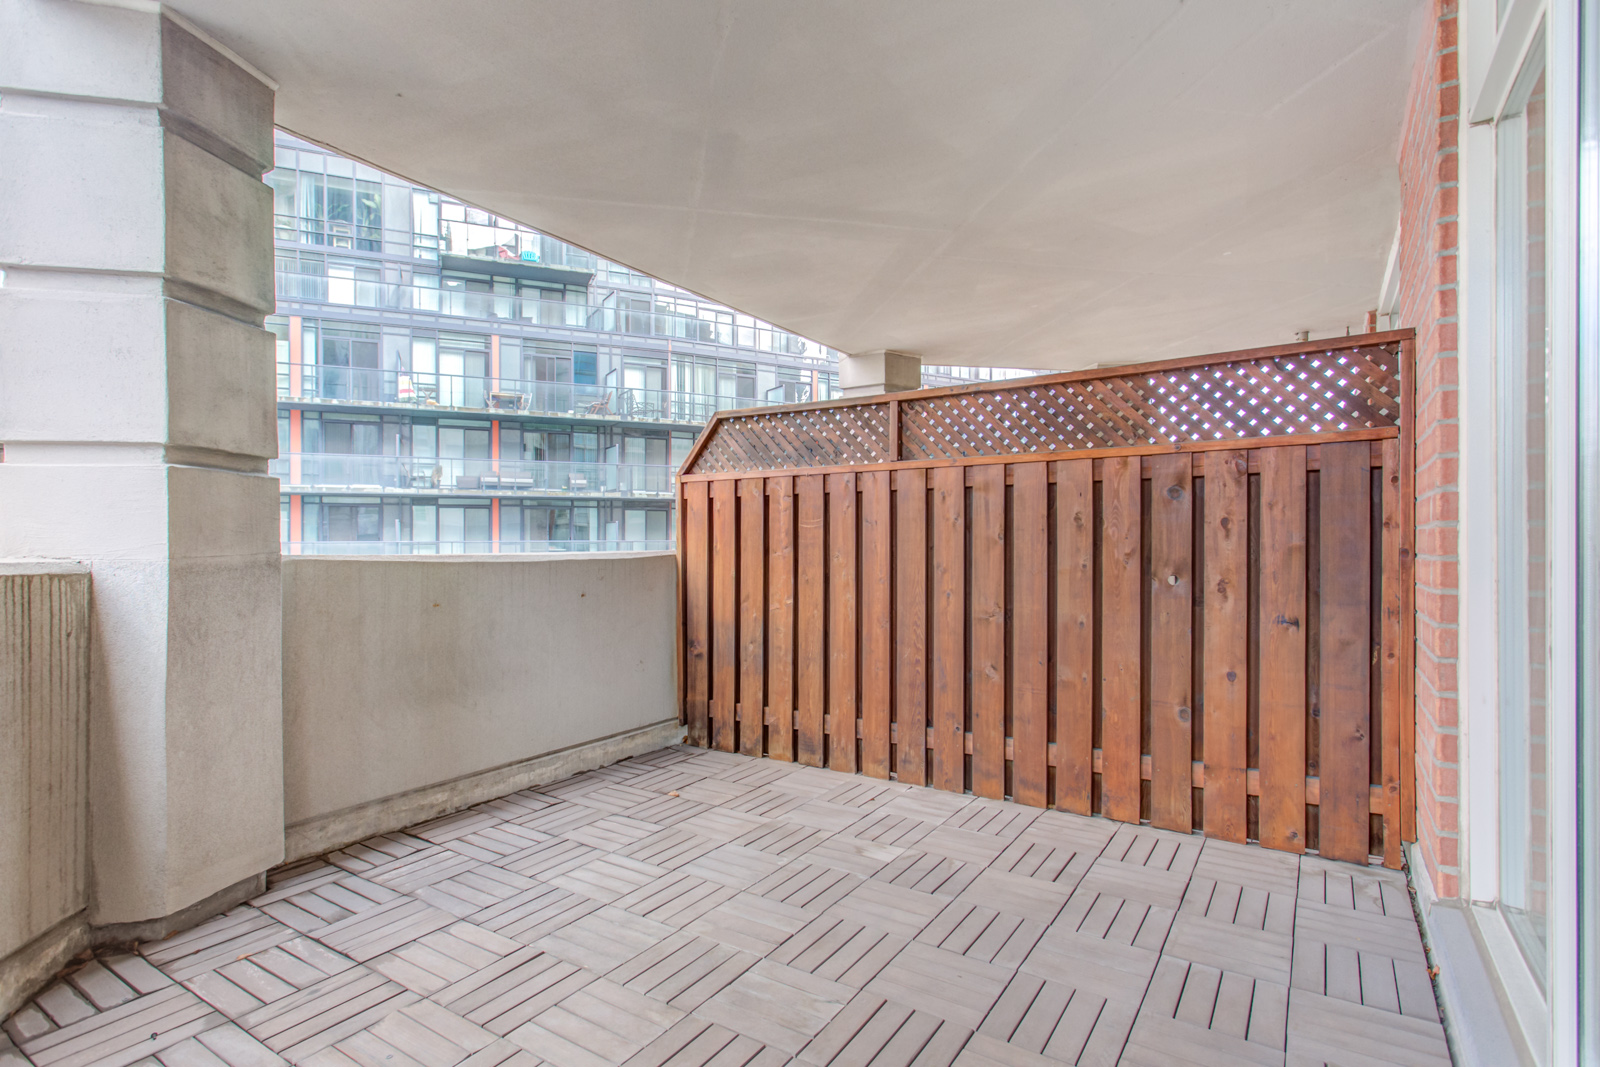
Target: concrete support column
137, 417
883, 371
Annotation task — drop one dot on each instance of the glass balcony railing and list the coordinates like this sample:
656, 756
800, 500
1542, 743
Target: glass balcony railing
476, 392
442, 548
710, 327
328, 472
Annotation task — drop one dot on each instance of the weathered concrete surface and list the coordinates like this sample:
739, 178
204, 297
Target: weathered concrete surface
137, 409
44, 769
415, 674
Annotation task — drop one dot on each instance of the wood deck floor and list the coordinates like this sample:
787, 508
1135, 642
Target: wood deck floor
701, 909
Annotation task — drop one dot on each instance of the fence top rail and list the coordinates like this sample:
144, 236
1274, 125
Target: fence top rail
1235, 399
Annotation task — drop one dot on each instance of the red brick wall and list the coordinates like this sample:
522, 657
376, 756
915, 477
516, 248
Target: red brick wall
1428, 246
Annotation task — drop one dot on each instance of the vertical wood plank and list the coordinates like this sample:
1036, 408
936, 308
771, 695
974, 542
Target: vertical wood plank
1345, 693
1030, 633
1121, 564
1171, 637
910, 625
1391, 658
1408, 590
1074, 675
1226, 588
1282, 655
811, 574
949, 666
752, 615
697, 611
724, 611
876, 588
988, 634
780, 618
843, 622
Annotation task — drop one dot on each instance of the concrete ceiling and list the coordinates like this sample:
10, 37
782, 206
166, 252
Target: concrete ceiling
1029, 183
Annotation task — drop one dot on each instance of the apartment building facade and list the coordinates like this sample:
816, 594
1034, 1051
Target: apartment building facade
450, 381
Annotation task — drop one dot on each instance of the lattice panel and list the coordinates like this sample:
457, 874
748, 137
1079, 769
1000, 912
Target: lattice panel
818, 437
1324, 391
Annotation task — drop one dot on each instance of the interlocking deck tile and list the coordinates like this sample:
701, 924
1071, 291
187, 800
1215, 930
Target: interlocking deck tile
1328, 1030
767, 912
695, 1042
945, 984
126, 1033
873, 1030
777, 1005
601, 1025
983, 933
604, 939
684, 970
839, 950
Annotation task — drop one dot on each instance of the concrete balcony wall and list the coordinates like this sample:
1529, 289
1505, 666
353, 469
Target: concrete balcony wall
415, 686
44, 770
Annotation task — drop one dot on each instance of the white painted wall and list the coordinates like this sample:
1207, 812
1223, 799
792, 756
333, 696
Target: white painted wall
405, 673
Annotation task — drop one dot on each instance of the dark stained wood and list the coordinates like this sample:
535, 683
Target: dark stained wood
1282, 657
811, 575
724, 613
1171, 634
752, 615
843, 622
947, 688
780, 618
911, 626
696, 549
1030, 634
987, 611
1391, 657
1074, 652
1121, 566
876, 587
1345, 690
1226, 637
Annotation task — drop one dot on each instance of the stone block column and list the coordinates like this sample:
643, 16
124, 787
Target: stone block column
137, 415
883, 371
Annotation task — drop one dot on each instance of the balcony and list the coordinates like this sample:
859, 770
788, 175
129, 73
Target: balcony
710, 327
427, 390
305, 472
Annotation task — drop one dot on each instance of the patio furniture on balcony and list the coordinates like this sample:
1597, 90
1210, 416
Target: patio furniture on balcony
508, 400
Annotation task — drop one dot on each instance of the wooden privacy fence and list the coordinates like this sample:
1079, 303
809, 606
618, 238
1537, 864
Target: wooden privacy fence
1178, 591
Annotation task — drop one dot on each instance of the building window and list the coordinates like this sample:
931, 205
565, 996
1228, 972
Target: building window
1522, 358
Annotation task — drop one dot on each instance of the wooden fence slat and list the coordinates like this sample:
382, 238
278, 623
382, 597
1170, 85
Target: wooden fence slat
988, 622
724, 613
811, 574
697, 611
876, 587
1282, 656
843, 622
752, 615
911, 626
1391, 656
949, 665
1171, 636
1030, 633
1121, 567
1345, 690
1226, 590
780, 618
1074, 675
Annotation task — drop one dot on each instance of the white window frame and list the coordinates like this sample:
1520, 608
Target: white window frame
1492, 54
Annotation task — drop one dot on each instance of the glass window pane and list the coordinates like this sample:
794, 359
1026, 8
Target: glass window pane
1523, 356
